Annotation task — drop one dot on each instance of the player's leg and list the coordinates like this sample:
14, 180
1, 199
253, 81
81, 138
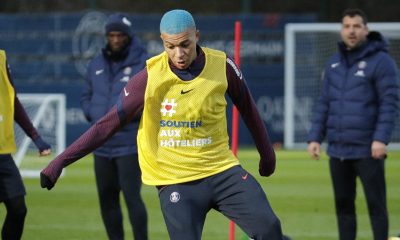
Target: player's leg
184, 207
108, 190
343, 177
372, 175
130, 181
14, 222
241, 198
12, 192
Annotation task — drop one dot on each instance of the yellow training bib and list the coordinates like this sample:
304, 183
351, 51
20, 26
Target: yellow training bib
183, 133
7, 95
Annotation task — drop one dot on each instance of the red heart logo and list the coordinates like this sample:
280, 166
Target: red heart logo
168, 107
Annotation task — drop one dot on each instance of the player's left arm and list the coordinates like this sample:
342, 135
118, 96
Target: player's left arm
243, 100
23, 120
386, 85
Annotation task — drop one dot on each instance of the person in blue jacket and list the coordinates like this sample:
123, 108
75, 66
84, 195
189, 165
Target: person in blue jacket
356, 112
116, 161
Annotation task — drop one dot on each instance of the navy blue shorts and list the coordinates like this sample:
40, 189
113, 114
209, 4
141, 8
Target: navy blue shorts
11, 184
234, 192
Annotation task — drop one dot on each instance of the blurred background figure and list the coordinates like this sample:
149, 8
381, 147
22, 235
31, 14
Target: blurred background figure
116, 161
357, 111
12, 190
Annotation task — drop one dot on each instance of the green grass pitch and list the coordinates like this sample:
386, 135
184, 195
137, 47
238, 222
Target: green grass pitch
300, 192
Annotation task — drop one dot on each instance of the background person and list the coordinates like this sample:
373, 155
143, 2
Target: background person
357, 111
12, 190
116, 161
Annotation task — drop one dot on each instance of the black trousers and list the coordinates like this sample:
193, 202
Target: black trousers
113, 176
234, 192
372, 175
12, 194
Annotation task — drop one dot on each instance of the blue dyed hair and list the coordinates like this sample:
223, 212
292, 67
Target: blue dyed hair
176, 21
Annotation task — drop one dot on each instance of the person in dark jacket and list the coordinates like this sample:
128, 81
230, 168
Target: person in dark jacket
356, 112
116, 161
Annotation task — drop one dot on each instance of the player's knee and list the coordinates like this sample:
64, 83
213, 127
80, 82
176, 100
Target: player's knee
21, 213
344, 205
377, 208
17, 211
269, 229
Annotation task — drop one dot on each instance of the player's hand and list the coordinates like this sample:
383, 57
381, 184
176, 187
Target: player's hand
266, 167
45, 152
45, 182
314, 149
44, 148
49, 175
378, 150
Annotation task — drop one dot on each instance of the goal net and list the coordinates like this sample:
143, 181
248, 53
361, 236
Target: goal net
47, 113
307, 49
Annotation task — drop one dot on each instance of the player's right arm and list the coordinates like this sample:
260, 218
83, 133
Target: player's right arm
318, 123
130, 104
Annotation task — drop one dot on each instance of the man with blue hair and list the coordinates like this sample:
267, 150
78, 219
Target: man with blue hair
183, 141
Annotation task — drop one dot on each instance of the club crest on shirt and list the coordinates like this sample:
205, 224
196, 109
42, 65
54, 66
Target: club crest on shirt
174, 197
127, 70
362, 64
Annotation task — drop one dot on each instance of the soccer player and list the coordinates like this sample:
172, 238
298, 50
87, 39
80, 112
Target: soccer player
183, 141
116, 164
12, 190
357, 111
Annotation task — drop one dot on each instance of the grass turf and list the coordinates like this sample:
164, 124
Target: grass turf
300, 192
